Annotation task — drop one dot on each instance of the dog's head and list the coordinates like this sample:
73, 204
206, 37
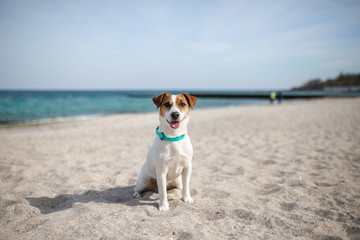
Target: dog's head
174, 109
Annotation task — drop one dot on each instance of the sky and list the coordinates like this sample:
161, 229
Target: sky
209, 45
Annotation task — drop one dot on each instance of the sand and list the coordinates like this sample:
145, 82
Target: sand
289, 171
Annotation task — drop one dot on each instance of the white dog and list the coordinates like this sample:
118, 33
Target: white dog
168, 161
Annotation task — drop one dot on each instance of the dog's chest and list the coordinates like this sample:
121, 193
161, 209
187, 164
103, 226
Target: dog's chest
175, 153
171, 157
175, 159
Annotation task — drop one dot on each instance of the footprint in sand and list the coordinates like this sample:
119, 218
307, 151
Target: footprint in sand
325, 213
219, 214
215, 194
287, 206
270, 189
241, 214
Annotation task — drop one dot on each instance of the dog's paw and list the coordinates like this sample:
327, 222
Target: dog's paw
137, 195
164, 207
188, 199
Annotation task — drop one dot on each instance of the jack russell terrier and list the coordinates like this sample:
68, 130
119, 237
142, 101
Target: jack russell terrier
168, 162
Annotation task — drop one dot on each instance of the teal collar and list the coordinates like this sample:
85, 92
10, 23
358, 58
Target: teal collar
163, 137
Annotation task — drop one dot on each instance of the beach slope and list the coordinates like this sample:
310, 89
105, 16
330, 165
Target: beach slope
259, 172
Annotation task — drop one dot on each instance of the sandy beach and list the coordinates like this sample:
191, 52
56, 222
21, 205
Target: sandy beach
289, 171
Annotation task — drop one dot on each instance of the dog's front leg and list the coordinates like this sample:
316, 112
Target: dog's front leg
186, 174
161, 182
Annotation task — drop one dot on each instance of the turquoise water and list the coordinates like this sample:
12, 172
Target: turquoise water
46, 106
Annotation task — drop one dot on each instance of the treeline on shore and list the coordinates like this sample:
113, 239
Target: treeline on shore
343, 80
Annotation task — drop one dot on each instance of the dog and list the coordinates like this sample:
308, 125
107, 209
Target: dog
168, 162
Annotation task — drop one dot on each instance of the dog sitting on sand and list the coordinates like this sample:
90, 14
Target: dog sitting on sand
168, 162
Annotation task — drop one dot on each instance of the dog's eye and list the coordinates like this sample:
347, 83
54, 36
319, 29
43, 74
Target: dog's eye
167, 105
183, 104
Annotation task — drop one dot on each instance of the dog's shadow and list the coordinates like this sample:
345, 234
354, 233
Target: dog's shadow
117, 195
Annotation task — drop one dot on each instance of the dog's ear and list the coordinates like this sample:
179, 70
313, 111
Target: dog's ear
158, 99
190, 99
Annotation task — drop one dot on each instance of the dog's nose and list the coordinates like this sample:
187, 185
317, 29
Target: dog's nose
175, 115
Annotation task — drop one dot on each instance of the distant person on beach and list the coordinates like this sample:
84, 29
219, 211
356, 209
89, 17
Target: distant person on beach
272, 96
279, 96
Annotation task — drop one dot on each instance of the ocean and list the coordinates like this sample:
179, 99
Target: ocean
17, 107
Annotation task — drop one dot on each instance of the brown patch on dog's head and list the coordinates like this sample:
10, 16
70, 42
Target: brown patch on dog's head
158, 99
191, 100
164, 102
183, 104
